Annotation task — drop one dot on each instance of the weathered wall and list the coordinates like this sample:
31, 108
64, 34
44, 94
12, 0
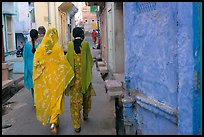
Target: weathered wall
188, 57
103, 35
157, 124
41, 14
159, 61
110, 27
9, 9
185, 34
118, 61
23, 19
151, 51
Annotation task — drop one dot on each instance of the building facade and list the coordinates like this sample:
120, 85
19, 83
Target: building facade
162, 67
89, 18
9, 12
112, 35
59, 15
161, 60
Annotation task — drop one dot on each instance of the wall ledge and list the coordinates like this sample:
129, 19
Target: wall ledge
156, 107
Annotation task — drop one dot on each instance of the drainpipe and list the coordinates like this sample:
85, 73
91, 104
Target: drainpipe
55, 15
128, 109
48, 5
3, 58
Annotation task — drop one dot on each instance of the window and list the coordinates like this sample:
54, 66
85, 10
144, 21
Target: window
9, 34
142, 7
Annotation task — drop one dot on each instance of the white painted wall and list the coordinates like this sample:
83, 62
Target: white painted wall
23, 23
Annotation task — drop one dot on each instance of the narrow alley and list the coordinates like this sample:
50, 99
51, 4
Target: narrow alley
20, 113
147, 71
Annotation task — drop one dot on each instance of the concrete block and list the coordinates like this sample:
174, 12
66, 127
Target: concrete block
7, 83
103, 69
113, 89
101, 64
113, 93
99, 58
113, 85
119, 77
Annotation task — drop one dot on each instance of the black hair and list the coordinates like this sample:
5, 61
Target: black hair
78, 32
41, 30
33, 35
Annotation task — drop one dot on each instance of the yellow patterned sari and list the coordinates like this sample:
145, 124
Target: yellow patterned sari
51, 75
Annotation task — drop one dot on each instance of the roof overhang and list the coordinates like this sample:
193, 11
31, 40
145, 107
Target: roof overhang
66, 7
6, 13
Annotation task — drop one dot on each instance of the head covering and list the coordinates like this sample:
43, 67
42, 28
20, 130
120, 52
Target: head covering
78, 35
78, 32
51, 75
50, 39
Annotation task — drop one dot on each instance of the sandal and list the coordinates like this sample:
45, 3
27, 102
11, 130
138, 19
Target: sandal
53, 129
77, 130
85, 118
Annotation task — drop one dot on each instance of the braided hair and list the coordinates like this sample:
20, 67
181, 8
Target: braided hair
34, 36
78, 35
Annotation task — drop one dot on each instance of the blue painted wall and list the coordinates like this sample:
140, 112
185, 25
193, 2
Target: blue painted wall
159, 60
188, 47
18, 63
186, 67
151, 51
200, 27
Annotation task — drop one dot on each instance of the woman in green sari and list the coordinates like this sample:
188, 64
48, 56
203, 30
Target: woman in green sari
80, 88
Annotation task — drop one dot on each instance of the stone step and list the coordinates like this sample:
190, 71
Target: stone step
103, 69
101, 64
120, 77
115, 93
113, 85
18, 78
113, 89
7, 83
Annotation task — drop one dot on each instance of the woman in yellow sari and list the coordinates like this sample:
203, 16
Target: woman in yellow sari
51, 75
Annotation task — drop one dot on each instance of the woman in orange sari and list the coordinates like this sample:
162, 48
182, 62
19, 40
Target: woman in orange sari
51, 75
94, 35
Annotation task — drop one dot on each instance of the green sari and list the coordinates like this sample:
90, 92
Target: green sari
86, 70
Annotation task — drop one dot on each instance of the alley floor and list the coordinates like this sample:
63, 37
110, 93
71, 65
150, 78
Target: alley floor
20, 118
